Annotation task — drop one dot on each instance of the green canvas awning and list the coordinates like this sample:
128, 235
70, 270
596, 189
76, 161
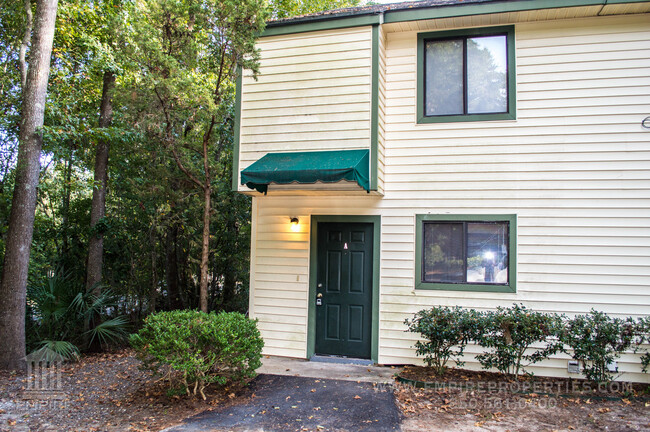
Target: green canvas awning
308, 168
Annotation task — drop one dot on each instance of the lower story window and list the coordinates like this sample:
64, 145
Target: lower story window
471, 252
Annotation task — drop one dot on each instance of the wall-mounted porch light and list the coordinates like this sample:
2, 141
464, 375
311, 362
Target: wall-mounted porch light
295, 224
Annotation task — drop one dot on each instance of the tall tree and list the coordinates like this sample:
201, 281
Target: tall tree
11, 21
105, 51
189, 53
21, 219
98, 207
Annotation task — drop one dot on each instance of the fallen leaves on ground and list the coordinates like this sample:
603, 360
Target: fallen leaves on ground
109, 392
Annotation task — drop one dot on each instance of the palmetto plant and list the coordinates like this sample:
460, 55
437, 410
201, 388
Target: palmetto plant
63, 318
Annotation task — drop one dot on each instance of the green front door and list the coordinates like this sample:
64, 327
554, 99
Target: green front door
344, 289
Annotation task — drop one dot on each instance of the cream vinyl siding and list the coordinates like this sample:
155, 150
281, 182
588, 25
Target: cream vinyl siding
574, 167
381, 126
312, 93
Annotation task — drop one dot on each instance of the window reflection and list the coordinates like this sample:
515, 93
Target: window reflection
465, 252
487, 79
466, 75
487, 252
444, 78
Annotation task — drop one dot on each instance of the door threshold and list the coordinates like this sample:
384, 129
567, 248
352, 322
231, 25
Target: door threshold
341, 360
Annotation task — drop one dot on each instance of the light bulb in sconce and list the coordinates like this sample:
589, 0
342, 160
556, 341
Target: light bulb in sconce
295, 224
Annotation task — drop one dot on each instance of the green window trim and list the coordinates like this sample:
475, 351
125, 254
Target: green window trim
511, 114
512, 253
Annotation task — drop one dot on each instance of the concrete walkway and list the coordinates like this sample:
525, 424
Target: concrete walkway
272, 365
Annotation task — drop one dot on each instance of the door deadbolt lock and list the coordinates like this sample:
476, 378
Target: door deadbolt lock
319, 302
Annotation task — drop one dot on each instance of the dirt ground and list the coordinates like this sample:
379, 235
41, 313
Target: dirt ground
104, 392
470, 401
108, 392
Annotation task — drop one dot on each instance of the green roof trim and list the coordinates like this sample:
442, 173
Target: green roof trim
308, 168
394, 13
329, 23
459, 10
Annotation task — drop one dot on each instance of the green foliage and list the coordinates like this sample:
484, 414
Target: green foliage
517, 337
291, 8
642, 336
511, 332
12, 26
55, 350
59, 312
147, 196
199, 349
445, 332
597, 340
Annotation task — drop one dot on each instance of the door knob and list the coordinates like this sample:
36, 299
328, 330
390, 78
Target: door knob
319, 295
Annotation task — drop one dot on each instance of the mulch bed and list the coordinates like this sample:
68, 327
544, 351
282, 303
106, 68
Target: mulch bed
464, 400
104, 392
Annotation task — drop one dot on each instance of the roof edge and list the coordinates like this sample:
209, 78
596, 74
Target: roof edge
330, 22
392, 13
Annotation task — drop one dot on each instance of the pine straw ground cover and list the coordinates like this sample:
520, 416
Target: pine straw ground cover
104, 392
470, 401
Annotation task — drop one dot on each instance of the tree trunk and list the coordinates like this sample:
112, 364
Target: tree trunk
171, 265
153, 294
185, 287
65, 211
229, 285
229, 270
205, 252
98, 208
23, 205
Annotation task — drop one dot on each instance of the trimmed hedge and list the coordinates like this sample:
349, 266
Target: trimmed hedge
597, 340
446, 332
196, 349
509, 335
510, 332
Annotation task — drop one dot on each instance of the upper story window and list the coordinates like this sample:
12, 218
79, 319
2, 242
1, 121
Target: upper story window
466, 75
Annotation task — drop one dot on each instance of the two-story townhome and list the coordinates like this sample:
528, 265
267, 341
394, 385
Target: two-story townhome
445, 152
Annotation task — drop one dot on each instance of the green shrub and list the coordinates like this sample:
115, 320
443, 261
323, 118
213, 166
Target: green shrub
510, 332
445, 332
63, 318
198, 349
597, 340
643, 337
